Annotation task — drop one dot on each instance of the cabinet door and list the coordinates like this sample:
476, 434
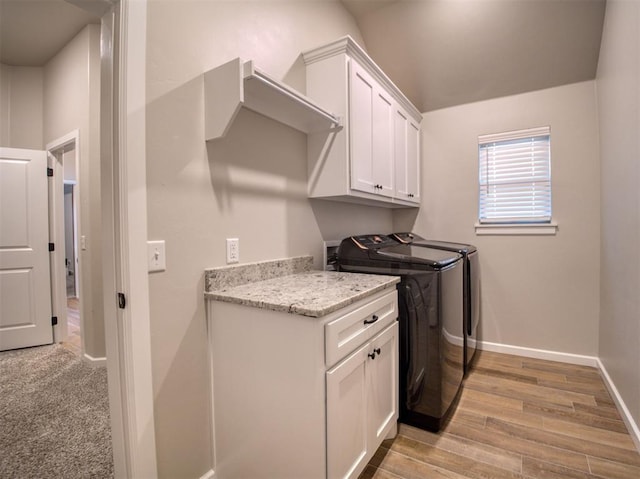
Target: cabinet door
382, 393
382, 155
361, 94
371, 134
406, 156
413, 160
347, 416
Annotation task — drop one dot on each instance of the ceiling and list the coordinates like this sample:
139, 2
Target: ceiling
440, 53
33, 31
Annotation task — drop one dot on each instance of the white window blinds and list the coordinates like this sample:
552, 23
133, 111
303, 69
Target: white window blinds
515, 177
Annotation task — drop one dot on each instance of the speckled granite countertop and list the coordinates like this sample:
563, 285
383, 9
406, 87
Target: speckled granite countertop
291, 286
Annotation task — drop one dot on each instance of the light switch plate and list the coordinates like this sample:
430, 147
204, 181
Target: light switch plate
156, 256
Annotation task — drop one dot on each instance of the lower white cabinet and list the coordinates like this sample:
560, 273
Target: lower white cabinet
362, 404
301, 397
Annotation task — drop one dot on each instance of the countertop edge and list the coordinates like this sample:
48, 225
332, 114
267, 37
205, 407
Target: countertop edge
300, 309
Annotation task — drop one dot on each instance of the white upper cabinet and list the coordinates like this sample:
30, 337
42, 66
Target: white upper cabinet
375, 158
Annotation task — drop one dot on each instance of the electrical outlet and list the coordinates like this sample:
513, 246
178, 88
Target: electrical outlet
233, 250
156, 257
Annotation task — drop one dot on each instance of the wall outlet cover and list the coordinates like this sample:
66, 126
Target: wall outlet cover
233, 250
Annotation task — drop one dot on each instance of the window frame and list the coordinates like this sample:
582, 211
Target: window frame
522, 225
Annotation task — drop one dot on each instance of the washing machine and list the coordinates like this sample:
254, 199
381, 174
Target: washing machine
430, 300
471, 288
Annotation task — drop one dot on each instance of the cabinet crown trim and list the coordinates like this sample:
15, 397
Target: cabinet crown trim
347, 45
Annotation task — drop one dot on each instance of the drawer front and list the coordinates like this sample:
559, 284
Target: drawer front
344, 334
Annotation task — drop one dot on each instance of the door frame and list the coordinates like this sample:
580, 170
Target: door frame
124, 225
57, 234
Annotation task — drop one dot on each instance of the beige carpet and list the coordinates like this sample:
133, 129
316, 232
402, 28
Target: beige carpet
54, 416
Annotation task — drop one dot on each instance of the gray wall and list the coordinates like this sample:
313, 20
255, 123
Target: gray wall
72, 101
539, 292
250, 185
618, 83
21, 103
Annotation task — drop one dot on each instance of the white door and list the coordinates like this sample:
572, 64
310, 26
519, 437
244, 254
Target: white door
413, 160
25, 284
362, 95
382, 154
383, 384
401, 121
407, 157
347, 416
371, 134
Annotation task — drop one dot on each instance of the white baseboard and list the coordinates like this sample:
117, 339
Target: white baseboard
632, 427
210, 474
539, 354
94, 362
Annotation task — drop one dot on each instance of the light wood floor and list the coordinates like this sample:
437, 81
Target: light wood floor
518, 418
73, 342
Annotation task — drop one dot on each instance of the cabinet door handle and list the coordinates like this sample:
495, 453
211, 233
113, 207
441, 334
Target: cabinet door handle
373, 354
373, 319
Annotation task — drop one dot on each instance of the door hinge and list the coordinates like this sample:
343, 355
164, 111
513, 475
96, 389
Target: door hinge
52, 247
54, 320
122, 301
49, 172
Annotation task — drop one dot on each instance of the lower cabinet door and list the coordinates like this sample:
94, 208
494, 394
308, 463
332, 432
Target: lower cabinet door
382, 394
347, 422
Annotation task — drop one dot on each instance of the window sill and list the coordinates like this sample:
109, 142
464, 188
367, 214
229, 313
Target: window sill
516, 229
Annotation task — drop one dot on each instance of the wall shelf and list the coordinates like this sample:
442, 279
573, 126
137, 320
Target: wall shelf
239, 84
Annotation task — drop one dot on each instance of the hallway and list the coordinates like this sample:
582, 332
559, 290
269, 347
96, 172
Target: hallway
73, 342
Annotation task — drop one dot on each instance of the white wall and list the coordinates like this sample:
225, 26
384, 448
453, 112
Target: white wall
250, 185
21, 96
618, 86
72, 101
537, 291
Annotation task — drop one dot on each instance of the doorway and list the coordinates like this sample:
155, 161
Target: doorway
70, 255
74, 338
64, 156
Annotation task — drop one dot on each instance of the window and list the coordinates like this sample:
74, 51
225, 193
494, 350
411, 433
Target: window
515, 178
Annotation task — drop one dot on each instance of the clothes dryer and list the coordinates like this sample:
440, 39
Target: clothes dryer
471, 278
430, 321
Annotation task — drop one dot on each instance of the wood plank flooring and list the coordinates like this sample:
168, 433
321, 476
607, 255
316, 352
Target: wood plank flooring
518, 418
